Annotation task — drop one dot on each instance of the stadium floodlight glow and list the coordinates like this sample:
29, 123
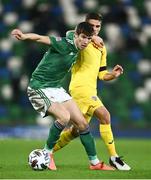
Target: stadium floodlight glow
141, 95
144, 66
10, 18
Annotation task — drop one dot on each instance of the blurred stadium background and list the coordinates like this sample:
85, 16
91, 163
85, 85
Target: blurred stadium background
126, 31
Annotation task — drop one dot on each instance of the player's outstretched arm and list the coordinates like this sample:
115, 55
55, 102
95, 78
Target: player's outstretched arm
18, 34
116, 72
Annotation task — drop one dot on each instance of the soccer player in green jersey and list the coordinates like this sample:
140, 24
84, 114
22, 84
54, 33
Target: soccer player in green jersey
49, 98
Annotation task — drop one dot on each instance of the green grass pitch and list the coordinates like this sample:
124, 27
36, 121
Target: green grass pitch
72, 162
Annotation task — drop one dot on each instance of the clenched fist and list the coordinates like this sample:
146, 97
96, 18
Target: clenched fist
117, 70
18, 34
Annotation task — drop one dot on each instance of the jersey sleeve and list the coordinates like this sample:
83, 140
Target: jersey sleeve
58, 43
103, 64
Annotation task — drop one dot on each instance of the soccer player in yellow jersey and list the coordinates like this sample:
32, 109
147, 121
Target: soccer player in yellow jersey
91, 64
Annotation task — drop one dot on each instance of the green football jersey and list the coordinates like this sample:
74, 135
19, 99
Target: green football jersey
55, 64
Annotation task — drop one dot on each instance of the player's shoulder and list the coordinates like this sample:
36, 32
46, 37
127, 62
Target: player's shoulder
57, 39
95, 48
92, 46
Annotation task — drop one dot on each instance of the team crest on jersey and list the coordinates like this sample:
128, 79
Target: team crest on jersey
58, 38
94, 98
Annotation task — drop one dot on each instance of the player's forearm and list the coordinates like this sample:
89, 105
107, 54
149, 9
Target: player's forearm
18, 34
32, 36
109, 76
37, 38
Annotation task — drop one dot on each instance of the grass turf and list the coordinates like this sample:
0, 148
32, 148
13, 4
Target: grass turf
72, 161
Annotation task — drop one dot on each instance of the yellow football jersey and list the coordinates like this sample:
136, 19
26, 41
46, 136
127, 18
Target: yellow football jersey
90, 65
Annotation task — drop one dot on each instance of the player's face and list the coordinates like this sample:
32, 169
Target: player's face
82, 40
96, 24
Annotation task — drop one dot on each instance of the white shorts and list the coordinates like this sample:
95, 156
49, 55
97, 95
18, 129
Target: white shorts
41, 99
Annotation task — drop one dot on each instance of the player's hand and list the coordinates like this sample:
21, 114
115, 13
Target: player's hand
117, 70
18, 34
98, 41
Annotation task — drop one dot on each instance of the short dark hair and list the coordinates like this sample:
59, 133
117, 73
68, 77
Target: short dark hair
85, 28
93, 15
